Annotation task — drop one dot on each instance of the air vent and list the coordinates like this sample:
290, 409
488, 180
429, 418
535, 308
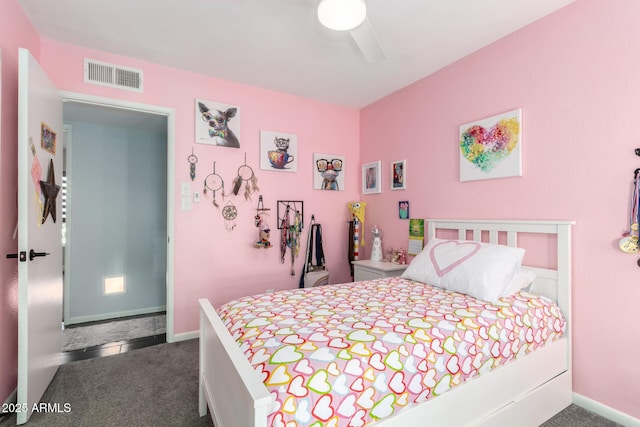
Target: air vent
110, 75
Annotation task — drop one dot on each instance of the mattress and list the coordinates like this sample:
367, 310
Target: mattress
351, 354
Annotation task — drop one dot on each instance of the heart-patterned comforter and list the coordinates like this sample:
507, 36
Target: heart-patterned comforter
350, 354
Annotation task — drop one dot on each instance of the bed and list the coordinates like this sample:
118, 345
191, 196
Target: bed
524, 391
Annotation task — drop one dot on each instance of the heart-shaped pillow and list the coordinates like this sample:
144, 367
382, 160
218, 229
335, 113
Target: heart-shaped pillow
482, 270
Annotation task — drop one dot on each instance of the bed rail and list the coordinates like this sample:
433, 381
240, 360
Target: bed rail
227, 381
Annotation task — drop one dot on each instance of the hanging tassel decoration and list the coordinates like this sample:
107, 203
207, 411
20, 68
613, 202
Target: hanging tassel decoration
214, 201
247, 192
192, 159
237, 183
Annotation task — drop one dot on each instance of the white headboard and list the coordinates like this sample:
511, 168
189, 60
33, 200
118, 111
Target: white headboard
553, 283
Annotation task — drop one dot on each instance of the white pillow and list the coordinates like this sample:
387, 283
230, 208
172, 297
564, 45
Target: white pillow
482, 270
522, 279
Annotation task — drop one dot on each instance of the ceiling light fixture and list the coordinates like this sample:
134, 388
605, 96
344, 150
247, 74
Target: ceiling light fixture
341, 15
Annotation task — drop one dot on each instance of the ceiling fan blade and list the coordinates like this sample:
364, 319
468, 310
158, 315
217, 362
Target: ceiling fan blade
366, 39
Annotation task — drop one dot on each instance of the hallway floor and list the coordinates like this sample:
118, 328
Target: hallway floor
105, 338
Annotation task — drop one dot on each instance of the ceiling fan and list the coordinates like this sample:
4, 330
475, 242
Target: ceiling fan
351, 16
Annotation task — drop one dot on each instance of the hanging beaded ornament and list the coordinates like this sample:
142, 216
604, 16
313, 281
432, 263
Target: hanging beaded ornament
264, 233
213, 182
229, 213
192, 159
245, 174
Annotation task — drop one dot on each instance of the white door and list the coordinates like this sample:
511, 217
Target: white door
39, 244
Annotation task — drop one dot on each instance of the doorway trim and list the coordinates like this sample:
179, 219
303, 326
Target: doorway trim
169, 113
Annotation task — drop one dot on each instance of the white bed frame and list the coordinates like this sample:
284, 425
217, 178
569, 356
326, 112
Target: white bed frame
524, 392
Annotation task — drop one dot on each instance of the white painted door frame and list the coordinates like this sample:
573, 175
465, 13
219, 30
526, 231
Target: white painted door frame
170, 115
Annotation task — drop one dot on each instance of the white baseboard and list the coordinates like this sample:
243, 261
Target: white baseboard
185, 336
605, 411
13, 397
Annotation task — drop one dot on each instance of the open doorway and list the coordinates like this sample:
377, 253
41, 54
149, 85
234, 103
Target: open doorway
116, 222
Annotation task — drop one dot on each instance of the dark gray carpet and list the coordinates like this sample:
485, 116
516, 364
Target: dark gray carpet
84, 336
575, 416
158, 386
152, 386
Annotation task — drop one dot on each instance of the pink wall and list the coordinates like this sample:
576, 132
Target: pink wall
209, 260
575, 76
15, 32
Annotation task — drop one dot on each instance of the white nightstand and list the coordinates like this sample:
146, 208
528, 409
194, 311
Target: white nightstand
368, 270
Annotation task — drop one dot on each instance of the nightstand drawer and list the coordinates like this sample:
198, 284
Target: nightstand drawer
369, 270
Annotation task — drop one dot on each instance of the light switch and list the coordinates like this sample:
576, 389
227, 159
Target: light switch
186, 189
196, 197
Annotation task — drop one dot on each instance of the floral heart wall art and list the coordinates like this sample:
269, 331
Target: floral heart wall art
491, 147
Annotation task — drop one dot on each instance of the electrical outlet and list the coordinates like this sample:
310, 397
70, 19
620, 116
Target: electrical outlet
196, 197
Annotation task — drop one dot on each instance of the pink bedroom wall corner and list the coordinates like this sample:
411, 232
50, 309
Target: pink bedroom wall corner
209, 260
574, 74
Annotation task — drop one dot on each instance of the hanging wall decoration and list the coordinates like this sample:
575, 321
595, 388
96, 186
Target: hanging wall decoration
50, 191
213, 182
47, 139
371, 178
192, 159
229, 213
629, 242
217, 124
278, 151
290, 224
403, 209
328, 172
399, 175
261, 221
245, 174
491, 147
290, 206
36, 174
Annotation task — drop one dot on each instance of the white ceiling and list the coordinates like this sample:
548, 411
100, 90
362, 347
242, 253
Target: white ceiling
280, 45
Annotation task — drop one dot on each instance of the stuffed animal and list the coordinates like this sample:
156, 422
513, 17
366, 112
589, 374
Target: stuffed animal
357, 213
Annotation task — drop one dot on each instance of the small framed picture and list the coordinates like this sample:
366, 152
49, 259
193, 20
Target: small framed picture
47, 138
399, 175
403, 209
371, 178
328, 173
217, 124
278, 151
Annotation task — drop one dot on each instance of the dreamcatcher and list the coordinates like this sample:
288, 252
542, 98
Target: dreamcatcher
213, 182
229, 213
192, 159
245, 174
